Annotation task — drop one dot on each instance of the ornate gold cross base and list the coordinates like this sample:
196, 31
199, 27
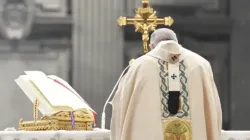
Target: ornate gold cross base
145, 21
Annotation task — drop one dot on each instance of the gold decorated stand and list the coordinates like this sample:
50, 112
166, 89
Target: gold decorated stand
82, 120
145, 21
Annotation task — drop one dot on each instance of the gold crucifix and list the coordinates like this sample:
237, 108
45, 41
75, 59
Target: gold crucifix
145, 21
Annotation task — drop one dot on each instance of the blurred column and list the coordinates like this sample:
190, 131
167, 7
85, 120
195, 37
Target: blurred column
240, 66
97, 49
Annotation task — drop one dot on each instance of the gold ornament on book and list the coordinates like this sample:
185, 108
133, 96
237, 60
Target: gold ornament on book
145, 21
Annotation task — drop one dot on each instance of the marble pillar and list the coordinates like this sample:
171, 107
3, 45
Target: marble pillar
97, 50
240, 68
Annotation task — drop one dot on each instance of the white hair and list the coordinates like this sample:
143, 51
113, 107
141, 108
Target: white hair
161, 35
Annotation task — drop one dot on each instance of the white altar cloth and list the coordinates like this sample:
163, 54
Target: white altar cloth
235, 135
92, 135
55, 135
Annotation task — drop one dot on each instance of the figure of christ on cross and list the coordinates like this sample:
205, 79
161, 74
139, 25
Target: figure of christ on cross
145, 21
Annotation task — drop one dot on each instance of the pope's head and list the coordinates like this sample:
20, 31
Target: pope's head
162, 34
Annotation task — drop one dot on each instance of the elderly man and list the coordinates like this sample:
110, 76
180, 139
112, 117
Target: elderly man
167, 94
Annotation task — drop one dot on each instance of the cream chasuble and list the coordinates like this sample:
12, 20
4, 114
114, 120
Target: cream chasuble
167, 94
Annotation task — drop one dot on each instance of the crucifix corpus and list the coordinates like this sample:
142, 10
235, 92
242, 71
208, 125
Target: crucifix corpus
145, 21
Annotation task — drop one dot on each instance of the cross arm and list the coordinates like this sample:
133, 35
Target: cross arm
122, 21
168, 21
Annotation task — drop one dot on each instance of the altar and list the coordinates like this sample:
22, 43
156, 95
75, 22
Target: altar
235, 135
97, 134
55, 135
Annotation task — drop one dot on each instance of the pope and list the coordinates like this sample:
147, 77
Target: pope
167, 94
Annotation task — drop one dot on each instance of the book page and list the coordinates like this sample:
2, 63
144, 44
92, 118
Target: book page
47, 88
32, 93
56, 94
68, 98
65, 85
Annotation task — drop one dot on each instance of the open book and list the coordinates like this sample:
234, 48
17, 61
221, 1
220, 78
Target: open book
52, 93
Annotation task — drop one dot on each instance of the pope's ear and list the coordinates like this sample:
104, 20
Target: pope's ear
131, 61
151, 46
